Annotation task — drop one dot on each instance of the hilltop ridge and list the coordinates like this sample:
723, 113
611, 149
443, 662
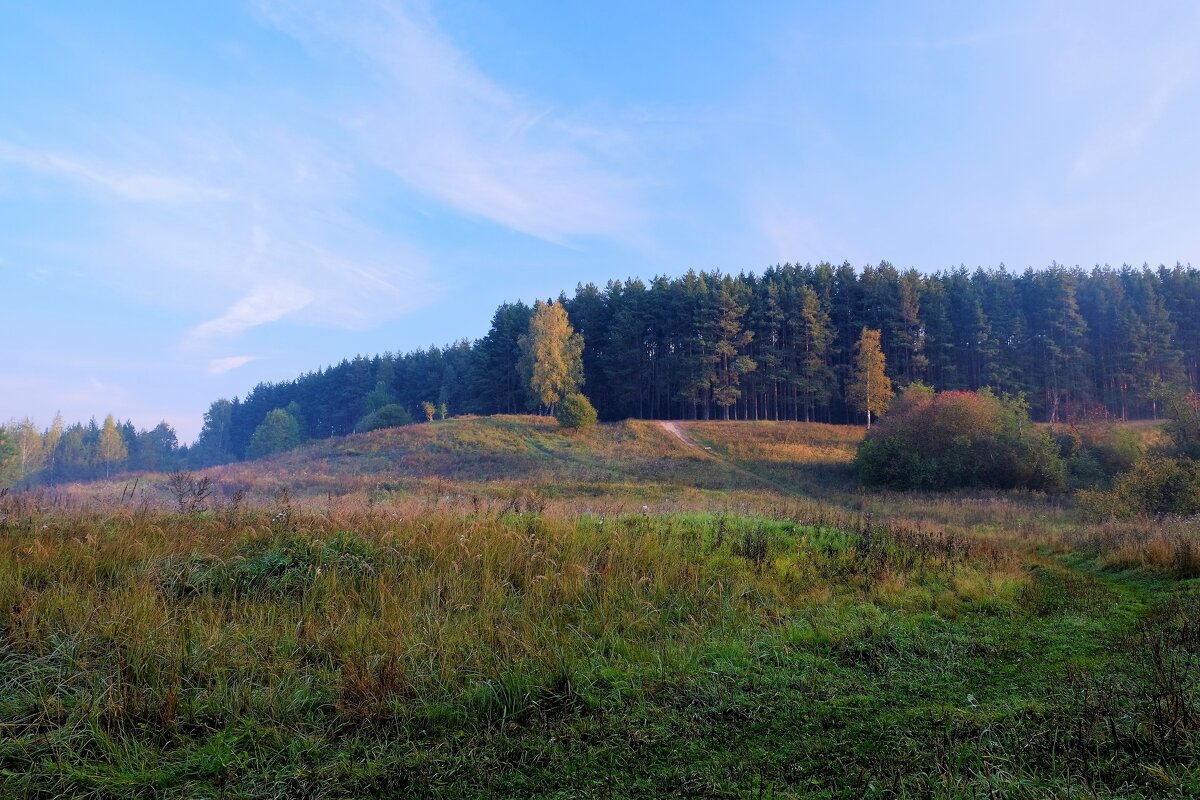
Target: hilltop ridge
503, 454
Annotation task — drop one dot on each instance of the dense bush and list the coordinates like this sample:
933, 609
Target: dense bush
1155, 486
959, 439
389, 416
280, 431
1184, 426
575, 411
1096, 453
1161, 483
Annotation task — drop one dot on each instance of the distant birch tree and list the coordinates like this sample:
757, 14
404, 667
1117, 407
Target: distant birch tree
870, 389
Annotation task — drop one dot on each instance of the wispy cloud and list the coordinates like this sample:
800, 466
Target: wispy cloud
219, 366
280, 238
1114, 139
445, 128
245, 210
1129, 68
136, 186
264, 304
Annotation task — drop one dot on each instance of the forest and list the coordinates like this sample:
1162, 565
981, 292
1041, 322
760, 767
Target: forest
772, 346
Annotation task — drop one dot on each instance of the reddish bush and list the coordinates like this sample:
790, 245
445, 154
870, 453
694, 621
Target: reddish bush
959, 439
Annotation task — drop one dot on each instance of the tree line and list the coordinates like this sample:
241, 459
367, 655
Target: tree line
82, 451
780, 345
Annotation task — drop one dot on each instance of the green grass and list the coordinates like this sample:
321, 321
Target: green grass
621, 615
294, 655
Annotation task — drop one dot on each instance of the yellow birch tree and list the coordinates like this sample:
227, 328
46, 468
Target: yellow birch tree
870, 388
551, 355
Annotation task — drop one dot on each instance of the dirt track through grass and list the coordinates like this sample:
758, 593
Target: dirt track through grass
673, 428
709, 452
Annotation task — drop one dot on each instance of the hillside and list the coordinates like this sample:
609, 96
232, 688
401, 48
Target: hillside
497, 455
501, 456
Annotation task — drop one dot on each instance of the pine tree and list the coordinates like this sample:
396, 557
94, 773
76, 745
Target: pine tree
379, 397
768, 321
1063, 332
815, 382
908, 333
73, 456
1130, 360
155, 449
1164, 371
730, 340
10, 471
498, 384
870, 389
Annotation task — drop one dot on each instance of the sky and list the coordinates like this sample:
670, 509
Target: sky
197, 197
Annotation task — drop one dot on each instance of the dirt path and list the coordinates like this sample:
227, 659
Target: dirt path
673, 428
682, 435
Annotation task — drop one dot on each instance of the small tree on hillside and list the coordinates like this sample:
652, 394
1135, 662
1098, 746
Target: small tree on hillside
575, 412
379, 397
551, 355
390, 416
870, 389
278, 432
443, 411
430, 410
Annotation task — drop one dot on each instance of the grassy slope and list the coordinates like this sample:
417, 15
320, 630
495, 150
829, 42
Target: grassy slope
482, 663
625, 464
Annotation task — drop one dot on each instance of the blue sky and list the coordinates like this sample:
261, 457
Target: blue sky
195, 197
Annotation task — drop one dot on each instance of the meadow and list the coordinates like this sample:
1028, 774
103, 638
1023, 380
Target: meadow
629, 612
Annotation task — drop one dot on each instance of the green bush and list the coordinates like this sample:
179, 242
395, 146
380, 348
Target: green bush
1156, 486
1164, 483
1184, 426
575, 412
1096, 453
278, 432
959, 439
389, 416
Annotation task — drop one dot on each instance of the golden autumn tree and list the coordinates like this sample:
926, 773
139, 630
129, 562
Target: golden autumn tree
111, 448
870, 389
551, 356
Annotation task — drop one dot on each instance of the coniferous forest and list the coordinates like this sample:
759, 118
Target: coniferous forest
779, 345
772, 346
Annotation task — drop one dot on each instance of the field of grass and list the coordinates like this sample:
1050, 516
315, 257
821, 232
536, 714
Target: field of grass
627, 613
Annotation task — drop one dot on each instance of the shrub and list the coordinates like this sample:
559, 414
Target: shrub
278, 432
190, 492
1166, 483
389, 416
1155, 486
959, 439
1097, 452
1184, 426
575, 411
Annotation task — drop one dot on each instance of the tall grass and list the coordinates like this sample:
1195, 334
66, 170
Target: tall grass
620, 615
126, 627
